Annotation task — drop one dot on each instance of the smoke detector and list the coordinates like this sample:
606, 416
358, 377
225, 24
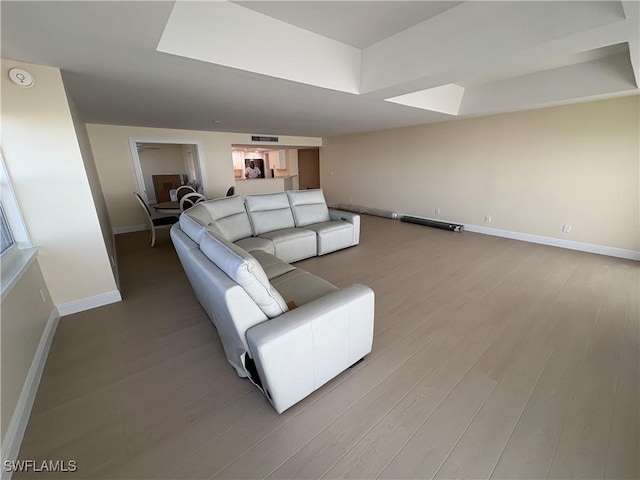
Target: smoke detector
21, 77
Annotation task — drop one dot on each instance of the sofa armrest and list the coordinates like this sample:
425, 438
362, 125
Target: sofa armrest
350, 217
301, 350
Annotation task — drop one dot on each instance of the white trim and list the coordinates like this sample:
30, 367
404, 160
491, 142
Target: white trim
551, 241
20, 418
88, 303
131, 228
14, 265
138, 168
12, 208
116, 268
557, 242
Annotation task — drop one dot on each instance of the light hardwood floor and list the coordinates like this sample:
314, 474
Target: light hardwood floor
492, 358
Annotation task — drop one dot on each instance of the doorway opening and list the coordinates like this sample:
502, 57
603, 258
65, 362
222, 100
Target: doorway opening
309, 168
162, 166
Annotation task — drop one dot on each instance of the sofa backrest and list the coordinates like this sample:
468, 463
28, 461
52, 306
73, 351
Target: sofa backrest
269, 212
245, 270
228, 305
308, 207
230, 216
194, 226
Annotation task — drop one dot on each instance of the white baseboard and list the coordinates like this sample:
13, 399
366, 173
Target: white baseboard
88, 303
557, 242
551, 241
130, 229
20, 418
116, 268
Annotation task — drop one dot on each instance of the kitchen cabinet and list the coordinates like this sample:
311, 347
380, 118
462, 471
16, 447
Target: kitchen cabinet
278, 159
238, 160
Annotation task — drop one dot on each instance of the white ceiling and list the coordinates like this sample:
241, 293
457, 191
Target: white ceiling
356, 23
324, 68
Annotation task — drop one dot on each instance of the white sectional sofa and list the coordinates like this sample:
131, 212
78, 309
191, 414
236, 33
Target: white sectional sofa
287, 330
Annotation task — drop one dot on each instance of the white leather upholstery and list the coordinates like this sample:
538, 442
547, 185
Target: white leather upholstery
193, 226
352, 218
246, 271
269, 212
200, 213
295, 349
251, 244
301, 287
228, 305
230, 216
308, 207
310, 211
333, 235
300, 351
293, 244
273, 267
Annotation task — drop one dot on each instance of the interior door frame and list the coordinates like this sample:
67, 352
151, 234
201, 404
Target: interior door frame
133, 141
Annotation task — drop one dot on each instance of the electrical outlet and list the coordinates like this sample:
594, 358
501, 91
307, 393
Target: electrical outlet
566, 228
437, 210
487, 218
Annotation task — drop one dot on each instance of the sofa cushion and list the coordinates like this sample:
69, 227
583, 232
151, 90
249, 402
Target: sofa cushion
272, 265
269, 212
333, 235
199, 213
192, 226
301, 287
252, 244
293, 244
245, 270
308, 207
230, 216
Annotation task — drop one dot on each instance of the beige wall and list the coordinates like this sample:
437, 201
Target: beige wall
166, 161
110, 144
42, 155
94, 184
531, 171
24, 317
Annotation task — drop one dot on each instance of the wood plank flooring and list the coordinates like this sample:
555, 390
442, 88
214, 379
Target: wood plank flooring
492, 358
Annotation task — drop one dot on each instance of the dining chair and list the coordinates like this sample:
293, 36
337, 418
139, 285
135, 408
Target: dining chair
190, 199
183, 190
158, 222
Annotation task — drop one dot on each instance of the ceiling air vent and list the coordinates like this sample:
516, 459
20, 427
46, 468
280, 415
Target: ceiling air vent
258, 138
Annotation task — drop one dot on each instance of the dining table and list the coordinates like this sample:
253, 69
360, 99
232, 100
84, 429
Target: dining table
172, 206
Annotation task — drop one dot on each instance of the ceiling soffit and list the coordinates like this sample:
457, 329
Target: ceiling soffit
455, 62
356, 23
227, 34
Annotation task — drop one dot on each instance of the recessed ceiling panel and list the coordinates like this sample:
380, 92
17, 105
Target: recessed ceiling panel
591, 79
356, 23
443, 99
227, 34
477, 33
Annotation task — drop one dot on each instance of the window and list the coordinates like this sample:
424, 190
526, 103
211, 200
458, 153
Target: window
6, 238
17, 252
13, 228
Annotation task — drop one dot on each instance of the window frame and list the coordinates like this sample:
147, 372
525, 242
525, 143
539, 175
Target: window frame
5, 230
18, 257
